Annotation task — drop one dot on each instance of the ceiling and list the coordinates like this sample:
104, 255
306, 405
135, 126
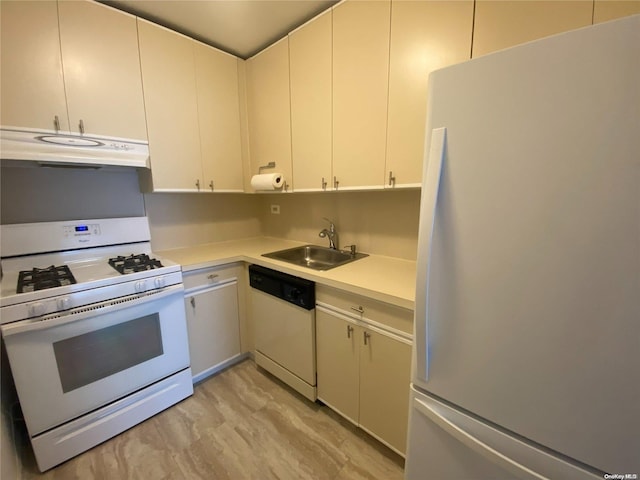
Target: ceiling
240, 27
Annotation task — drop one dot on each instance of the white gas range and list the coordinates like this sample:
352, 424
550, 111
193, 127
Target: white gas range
95, 331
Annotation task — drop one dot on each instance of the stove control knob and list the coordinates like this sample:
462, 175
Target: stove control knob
141, 286
36, 309
64, 303
160, 282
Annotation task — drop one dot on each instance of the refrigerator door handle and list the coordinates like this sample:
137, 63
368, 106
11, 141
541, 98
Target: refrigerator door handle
430, 187
498, 447
475, 443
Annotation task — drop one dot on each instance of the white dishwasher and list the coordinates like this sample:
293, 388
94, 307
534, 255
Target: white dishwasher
283, 310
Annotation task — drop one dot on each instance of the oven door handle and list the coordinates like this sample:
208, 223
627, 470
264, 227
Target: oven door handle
81, 313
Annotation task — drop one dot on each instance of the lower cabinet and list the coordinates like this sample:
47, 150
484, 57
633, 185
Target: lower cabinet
213, 321
364, 368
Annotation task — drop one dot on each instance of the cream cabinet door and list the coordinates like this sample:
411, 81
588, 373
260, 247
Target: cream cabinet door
219, 119
214, 328
425, 35
385, 373
310, 57
605, 10
270, 110
500, 24
168, 74
102, 70
337, 360
360, 90
31, 71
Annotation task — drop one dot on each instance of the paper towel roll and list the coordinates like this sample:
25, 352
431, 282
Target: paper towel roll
267, 181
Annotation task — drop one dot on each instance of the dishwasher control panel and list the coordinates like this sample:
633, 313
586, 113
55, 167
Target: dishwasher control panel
292, 289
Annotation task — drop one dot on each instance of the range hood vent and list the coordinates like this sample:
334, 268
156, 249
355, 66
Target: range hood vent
46, 147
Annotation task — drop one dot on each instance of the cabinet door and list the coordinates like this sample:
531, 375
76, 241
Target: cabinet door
219, 119
168, 74
337, 361
360, 89
385, 371
269, 109
102, 70
500, 24
213, 326
425, 36
605, 10
32, 81
310, 57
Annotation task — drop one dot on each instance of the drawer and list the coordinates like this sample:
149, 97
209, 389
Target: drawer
211, 276
366, 308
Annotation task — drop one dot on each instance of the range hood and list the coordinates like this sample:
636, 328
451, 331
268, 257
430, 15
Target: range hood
57, 148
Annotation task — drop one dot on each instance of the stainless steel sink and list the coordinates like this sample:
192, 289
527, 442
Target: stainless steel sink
315, 257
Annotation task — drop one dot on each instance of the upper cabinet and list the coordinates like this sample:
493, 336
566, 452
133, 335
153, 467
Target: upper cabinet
360, 89
32, 81
425, 36
168, 73
219, 119
269, 109
310, 56
193, 113
99, 90
605, 10
501, 24
101, 70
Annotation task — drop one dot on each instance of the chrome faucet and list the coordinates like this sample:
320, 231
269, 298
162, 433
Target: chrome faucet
331, 234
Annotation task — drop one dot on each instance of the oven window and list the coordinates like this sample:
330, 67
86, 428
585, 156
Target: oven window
89, 357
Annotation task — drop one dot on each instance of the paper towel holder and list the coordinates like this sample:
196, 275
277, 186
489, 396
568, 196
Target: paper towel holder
268, 165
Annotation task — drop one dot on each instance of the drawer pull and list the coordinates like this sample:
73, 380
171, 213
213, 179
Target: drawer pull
349, 331
212, 276
358, 309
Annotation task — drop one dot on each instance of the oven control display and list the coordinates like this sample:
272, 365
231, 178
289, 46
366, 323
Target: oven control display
81, 230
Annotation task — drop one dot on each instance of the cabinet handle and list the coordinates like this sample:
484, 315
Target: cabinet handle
324, 184
81, 126
367, 335
211, 185
193, 302
56, 123
392, 179
286, 186
349, 331
358, 309
212, 276
335, 182
198, 184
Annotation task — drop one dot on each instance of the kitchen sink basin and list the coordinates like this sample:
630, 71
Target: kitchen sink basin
315, 257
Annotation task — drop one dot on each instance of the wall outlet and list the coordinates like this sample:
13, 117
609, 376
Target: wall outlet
275, 209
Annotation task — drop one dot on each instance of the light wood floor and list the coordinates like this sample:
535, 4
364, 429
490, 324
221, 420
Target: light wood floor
240, 424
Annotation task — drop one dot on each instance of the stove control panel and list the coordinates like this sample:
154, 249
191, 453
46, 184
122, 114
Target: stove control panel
81, 230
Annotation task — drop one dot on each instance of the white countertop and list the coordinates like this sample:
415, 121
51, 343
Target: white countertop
387, 279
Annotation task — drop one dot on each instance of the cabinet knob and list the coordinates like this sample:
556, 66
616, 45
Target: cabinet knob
366, 335
198, 184
358, 309
349, 331
211, 185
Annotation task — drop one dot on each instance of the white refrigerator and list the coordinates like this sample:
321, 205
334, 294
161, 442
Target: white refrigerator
527, 333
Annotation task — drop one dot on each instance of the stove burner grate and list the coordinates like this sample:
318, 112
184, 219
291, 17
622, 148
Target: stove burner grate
43, 278
134, 263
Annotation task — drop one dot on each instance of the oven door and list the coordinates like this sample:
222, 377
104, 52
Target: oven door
67, 364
